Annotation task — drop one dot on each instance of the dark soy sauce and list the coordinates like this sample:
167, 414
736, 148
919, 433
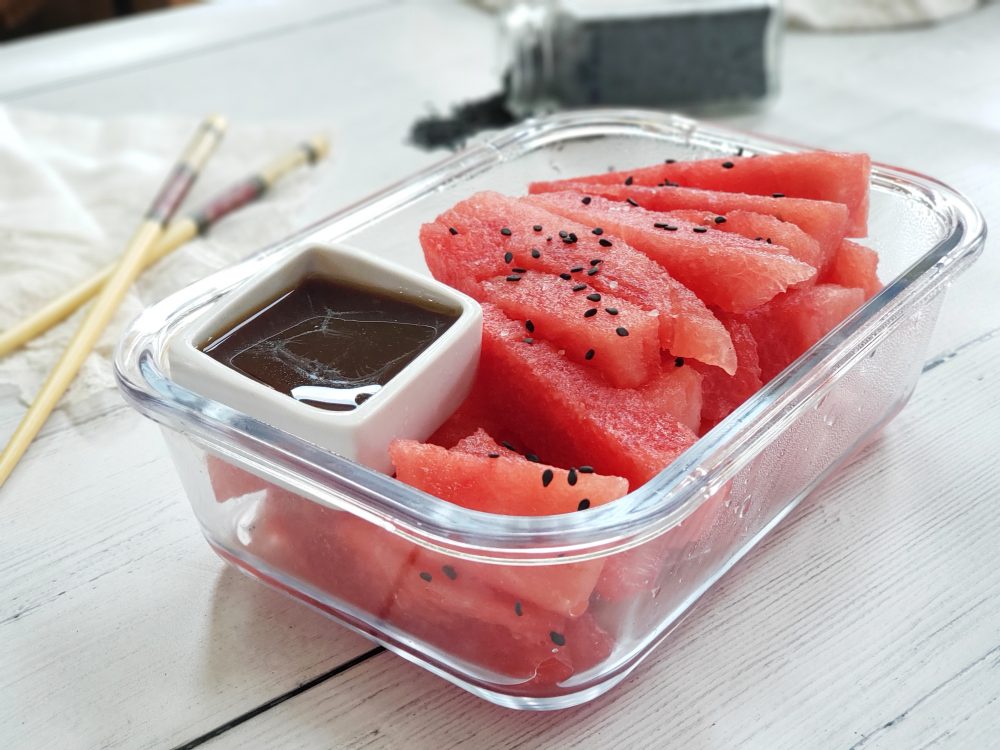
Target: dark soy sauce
328, 343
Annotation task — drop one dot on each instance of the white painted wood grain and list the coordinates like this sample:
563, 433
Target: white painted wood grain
870, 619
856, 623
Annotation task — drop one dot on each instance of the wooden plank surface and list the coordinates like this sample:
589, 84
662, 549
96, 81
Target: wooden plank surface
869, 620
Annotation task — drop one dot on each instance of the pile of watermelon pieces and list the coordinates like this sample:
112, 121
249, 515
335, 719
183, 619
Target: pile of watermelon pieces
628, 313
625, 314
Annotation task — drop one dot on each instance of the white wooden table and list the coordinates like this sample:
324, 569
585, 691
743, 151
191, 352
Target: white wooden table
870, 619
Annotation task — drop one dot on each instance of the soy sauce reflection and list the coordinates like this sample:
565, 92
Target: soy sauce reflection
330, 344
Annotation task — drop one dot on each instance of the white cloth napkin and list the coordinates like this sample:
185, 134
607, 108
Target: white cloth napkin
72, 191
872, 14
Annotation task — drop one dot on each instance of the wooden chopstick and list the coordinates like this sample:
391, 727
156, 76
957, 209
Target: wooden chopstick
173, 192
179, 232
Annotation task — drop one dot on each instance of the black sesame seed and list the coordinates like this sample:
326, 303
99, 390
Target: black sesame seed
593, 270
631, 202
611, 310
769, 241
517, 609
670, 228
594, 297
727, 165
513, 277
493, 455
536, 253
537, 227
505, 232
576, 269
449, 571
426, 576
678, 361
519, 270
584, 504
586, 470
530, 326
532, 457
565, 276
758, 239
590, 313
570, 239
660, 225
579, 287
670, 161
585, 200
571, 477
720, 219
596, 261
777, 195
563, 233
453, 230
597, 230
629, 180
590, 354
508, 257
700, 230
528, 340
557, 638
604, 243
621, 331
507, 445
547, 477
739, 151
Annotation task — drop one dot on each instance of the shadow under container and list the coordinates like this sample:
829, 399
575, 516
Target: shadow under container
546, 612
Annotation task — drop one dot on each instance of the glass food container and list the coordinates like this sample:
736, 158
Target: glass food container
545, 612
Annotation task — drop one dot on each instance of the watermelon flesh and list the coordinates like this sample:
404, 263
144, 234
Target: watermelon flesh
767, 231
817, 175
787, 326
824, 221
856, 266
507, 484
576, 321
677, 392
575, 419
451, 604
726, 271
721, 393
476, 251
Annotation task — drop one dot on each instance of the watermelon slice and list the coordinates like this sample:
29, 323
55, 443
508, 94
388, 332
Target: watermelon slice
818, 175
478, 250
567, 415
726, 271
448, 603
497, 482
824, 221
677, 392
229, 481
767, 231
573, 317
721, 393
854, 266
793, 322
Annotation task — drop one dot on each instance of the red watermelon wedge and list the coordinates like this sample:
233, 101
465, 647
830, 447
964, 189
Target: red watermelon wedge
818, 175
726, 271
501, 483
854, 266
573, 317
721, 393
793, 322
466, 245
824, 221
565, 414
767, 231
677, 392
